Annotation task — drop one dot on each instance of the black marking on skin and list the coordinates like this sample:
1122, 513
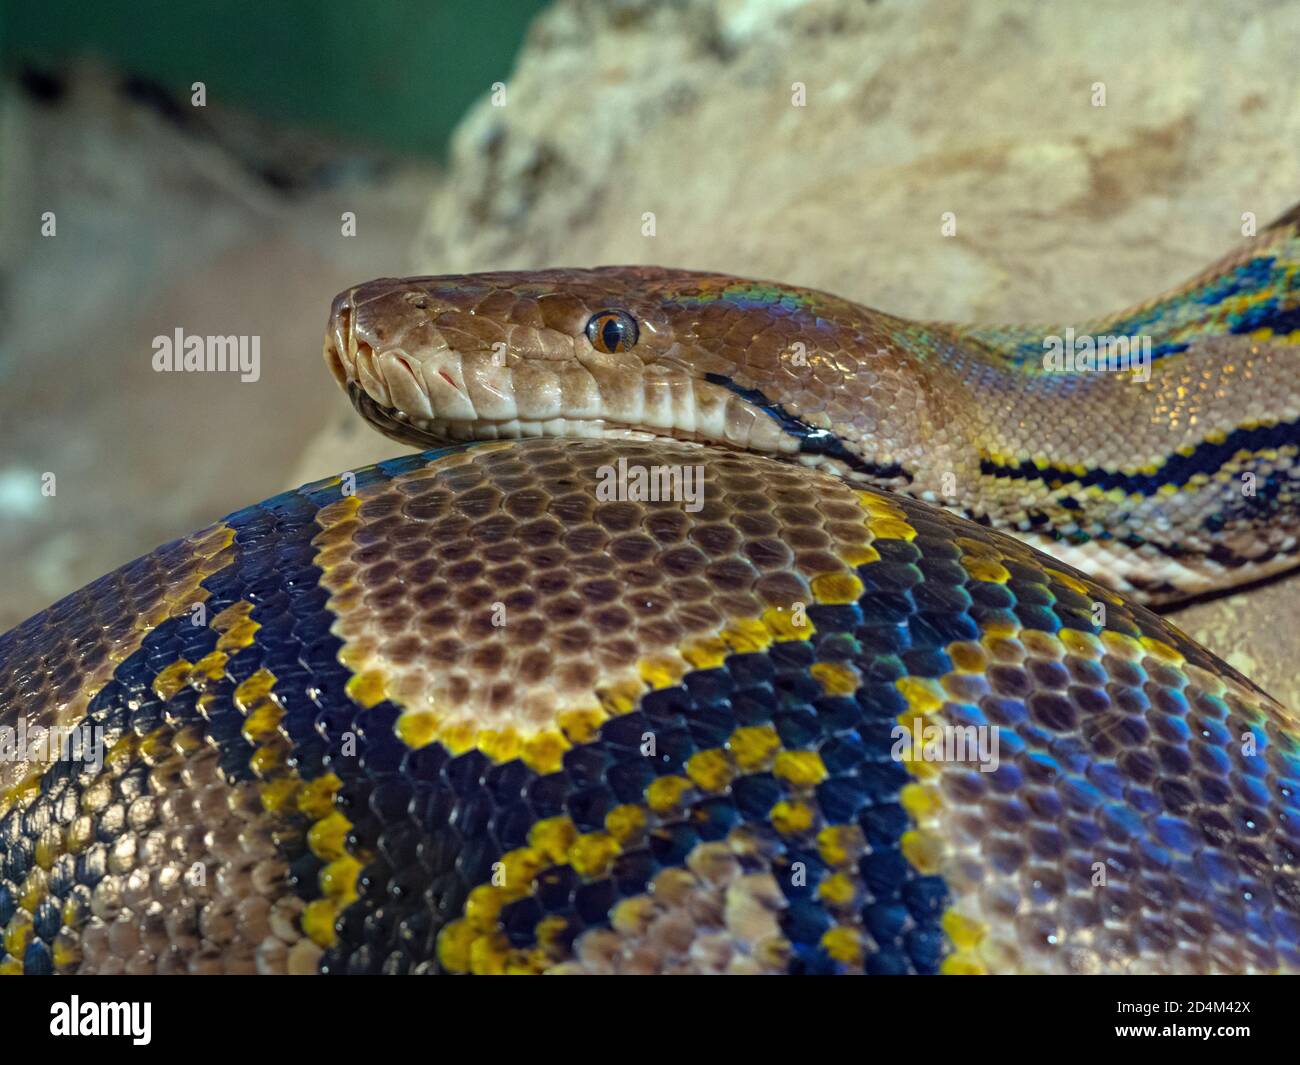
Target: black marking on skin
1207, 457
812, 441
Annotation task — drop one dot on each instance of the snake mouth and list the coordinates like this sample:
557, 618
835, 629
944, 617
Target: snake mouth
440, 395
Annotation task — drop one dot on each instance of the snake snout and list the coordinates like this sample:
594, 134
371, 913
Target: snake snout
337, 336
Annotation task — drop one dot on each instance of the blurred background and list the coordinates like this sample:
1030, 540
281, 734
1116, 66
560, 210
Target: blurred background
219, 219
1091, 155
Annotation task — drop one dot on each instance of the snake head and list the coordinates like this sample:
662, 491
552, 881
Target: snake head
630, 352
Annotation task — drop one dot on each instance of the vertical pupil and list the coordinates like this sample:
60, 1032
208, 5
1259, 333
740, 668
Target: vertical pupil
612, 333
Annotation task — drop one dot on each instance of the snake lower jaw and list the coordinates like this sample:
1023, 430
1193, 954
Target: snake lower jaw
398, 425
710, 417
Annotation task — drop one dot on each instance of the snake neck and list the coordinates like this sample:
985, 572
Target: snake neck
1155, 447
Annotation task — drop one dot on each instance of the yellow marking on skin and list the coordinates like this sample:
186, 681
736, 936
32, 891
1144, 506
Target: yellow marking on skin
923, 694
582, 726
474, 942
22, 792
860, 556
318, 922
316, 797
838, 890
621, 697
483, 908
491, 956
837, 589
754, 747
500, 745
892, 529
367, 689
1162, 651
747, 635
338, 880
792, 817
968, 657
45, 852
172, 679
661, 671
544, 753
706, 653
260, 725
240, 635
1071, 582
156, 745
210, 667
1121, 645
921, 801
542, 746
460, 737
267, 762
844, 944
18, 933
973, 548
626, 823
124, 750
592, 855
986, 569
35, 887
417, 729
965, 933
230, 617
553, 837
924, 850
254, 690
840, 845
327, 838
800, 769
786, 624
454, 944
79, 835
664, 794
279, 795
205, 553
1078, 642
282, 794
710, 770
549, 930
962, 964
835, 678
66, 953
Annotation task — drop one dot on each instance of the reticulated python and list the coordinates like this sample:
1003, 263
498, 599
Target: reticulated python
615, 689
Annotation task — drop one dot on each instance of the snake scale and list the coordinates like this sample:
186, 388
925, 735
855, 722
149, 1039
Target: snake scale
726, 626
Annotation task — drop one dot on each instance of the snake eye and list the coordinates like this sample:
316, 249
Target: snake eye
612, 331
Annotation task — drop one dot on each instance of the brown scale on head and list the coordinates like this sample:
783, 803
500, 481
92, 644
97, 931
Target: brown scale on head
624, 351
927, 409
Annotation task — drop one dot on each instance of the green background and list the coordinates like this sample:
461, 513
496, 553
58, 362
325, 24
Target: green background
393, 74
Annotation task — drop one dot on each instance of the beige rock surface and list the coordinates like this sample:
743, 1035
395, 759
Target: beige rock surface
1064, 209
159, 229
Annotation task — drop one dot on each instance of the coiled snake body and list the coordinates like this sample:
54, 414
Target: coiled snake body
613, 688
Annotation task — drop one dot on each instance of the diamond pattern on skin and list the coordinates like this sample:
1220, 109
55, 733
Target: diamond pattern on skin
767, 824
